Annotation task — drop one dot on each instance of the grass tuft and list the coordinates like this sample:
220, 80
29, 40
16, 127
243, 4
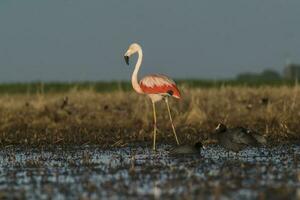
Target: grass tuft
121, 117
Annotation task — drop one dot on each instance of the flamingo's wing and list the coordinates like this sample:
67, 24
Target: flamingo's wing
159, 84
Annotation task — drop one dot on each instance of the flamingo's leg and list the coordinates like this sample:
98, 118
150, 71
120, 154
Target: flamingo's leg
174, 131
155, 128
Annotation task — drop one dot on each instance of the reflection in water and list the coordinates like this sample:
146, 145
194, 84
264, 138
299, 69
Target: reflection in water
91, 172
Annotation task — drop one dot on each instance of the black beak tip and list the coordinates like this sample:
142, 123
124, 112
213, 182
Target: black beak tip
126, 58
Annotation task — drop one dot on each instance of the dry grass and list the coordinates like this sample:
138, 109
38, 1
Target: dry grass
119, 118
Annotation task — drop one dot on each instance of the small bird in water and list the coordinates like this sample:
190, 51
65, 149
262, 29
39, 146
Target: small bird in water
236, 139
186, 149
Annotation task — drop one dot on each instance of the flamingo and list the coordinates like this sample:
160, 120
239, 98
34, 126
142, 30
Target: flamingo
156, 86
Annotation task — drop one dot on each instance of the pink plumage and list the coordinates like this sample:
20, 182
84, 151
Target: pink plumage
159, 84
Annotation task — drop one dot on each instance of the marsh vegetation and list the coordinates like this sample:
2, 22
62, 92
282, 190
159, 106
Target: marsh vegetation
118, 118
79, 142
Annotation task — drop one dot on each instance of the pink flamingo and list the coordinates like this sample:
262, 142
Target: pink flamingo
156, 86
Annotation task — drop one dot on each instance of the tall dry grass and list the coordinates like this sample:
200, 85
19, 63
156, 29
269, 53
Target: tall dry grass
119, 118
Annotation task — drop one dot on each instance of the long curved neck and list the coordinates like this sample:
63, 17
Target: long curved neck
134, 77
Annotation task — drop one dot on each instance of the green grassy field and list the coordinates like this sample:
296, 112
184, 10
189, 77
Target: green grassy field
56, 87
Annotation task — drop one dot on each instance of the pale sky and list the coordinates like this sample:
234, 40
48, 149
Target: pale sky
75, 40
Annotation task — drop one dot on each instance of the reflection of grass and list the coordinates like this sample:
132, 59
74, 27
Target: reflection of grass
121, 117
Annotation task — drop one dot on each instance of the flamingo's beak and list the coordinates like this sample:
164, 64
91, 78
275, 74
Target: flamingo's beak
126, 58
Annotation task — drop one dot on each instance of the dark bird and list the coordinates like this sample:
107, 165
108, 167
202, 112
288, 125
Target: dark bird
186, 149
264, 101
236, 139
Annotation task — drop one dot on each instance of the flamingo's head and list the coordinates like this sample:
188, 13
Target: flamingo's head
133, 48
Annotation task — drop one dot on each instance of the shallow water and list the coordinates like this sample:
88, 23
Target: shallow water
92, 173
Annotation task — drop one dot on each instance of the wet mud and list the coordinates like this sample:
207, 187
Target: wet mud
91, 172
